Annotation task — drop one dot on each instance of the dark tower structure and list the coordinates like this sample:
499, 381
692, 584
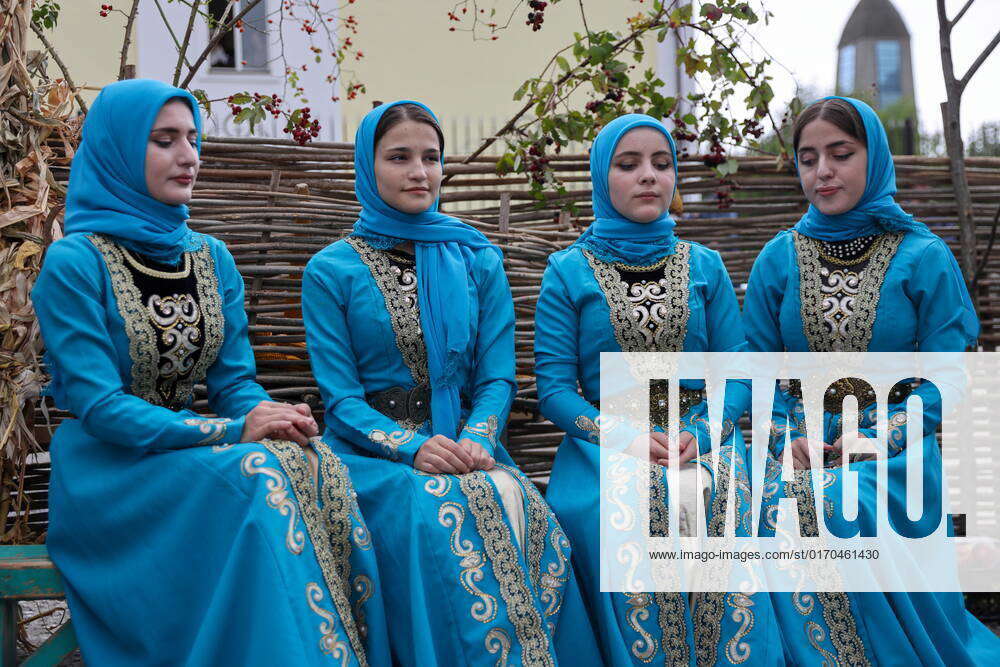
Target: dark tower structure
873, 62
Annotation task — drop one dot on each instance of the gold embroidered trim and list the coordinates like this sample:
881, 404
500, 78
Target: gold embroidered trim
670, 336
673, 627
710, 607
659, 510
487, 429
591, 427
643, 648
738, 651
816, 635
364, 588
329, 641
552, 580
858, 326
138, 328
843, 630
897, 433
138, 266
210, 301
277, 497
537, 517
836, 607
497, 639
484, 609
501, 553
391, 442
404, 317
437, 485
213, 429
330, 528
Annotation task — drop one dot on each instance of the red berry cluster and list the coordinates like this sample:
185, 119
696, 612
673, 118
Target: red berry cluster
594, 106
753, 127
105, 9
537, 16
714, 157
537, 161
305, 129
354, 89
681, 133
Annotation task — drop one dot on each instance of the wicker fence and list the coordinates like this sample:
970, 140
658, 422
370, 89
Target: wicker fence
276, 204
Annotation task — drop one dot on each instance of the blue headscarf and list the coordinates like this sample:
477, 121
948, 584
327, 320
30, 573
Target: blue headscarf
876, 212
444, 248
612, 236
107, 183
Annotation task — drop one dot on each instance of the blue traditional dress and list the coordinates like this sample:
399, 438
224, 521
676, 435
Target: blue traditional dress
405, 347
872, 279
179, 544
625, 286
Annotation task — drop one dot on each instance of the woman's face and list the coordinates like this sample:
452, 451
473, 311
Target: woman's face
641, 177
408, 166
171, 154
833, 167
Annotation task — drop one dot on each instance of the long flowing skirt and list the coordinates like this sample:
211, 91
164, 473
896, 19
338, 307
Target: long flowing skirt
854, 628
464, 584
226, 555
659, 628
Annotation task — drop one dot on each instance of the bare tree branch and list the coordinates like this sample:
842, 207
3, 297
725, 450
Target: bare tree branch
216, 38
62, 66
583, 15
961, 12
169, 28
979, 61
128, 39
182, 49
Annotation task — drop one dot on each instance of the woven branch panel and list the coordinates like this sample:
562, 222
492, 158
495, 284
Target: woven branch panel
275, 204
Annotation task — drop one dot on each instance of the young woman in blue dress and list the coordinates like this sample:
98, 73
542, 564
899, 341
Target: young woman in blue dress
859, 274
629, 284
410, 330
183, 539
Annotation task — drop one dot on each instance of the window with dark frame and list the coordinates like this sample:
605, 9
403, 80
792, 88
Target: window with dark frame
241, 50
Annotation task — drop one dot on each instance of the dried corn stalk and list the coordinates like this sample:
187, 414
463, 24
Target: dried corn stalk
36, 134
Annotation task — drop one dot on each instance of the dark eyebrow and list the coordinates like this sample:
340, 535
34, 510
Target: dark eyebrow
172, 130
639, 154
835, 144
407, 149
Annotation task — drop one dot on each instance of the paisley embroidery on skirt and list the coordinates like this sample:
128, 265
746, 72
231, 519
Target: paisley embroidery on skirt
329, 528
484, 609
330, 641
502, 555
497, 639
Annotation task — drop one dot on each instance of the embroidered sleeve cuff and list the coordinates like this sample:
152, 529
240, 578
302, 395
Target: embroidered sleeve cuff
397, 445
486, 433
216, 430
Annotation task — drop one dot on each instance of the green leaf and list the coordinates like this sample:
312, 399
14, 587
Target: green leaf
521, 90
729, 167
563, 63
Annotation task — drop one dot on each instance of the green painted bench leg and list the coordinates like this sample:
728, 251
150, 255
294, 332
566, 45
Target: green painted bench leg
8, 622
55, 648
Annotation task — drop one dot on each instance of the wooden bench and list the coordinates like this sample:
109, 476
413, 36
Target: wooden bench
26, 573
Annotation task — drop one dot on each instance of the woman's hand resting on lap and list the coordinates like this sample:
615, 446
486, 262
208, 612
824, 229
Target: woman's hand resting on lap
280, 420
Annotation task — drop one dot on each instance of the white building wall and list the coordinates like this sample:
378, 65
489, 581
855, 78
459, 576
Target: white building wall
157, 57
